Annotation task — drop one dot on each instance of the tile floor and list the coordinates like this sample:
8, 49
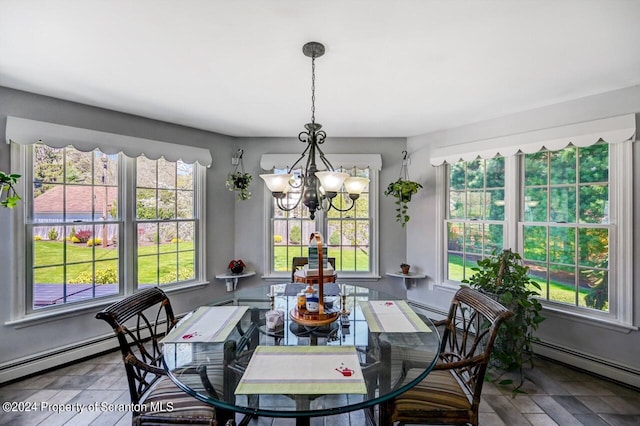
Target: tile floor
557, 395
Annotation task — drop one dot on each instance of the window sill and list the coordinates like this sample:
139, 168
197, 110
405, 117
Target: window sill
550, 310
608, 323
74, 310
342, 276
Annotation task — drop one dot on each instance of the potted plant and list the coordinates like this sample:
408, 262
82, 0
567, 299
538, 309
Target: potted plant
239, 182
405, 268
236, 266
505, 277
402, 190
8, 196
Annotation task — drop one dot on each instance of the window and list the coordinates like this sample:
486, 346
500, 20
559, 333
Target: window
77, 230
349, 235
571, 222
475, 215
165, 221
565, 224
72, 226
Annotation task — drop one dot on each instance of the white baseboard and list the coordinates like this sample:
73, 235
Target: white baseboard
26, 366
584, 361
590, 363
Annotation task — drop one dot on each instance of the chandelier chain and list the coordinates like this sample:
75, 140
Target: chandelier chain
313, 90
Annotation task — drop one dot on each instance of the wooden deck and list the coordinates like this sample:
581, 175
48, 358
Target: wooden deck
52, 294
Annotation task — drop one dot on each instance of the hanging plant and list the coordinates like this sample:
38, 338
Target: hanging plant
8, 196
238, 180
402, 189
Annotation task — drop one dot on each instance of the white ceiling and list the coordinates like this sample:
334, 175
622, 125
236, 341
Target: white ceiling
391, 68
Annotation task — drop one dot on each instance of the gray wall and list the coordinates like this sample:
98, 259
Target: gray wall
30, 340
250, 216
606, 350
234, 228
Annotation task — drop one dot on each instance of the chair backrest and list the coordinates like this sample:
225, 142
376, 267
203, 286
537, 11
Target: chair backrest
149, 316
470, 331
299, 262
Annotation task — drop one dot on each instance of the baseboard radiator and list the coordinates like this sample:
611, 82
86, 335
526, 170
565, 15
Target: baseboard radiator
572, 358
44, 361
47, 360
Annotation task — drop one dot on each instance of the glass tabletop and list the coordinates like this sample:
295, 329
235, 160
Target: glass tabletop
235, 357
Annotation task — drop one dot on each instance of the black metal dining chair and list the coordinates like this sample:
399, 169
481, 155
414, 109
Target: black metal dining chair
139, 322
450, 394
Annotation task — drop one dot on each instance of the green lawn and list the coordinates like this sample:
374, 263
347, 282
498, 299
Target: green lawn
48, 260
559, 292
350, 257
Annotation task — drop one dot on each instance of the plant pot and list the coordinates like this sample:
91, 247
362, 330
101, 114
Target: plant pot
237, 269
405, 269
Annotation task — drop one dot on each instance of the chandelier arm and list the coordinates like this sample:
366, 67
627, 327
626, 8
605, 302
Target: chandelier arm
282, 207
304, 153
324, 159
353, 203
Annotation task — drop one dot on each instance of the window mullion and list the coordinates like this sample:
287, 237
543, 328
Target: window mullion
128, 250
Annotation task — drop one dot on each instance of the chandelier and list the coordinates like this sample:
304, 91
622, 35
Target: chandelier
319, 188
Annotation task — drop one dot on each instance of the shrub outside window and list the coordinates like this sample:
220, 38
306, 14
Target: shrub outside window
475, 214
75, 225
566, 229
571, 224
346, 234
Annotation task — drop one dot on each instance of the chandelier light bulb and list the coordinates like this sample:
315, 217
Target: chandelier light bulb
331, 181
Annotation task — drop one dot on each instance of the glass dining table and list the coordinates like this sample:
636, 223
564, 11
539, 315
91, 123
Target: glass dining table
251, 354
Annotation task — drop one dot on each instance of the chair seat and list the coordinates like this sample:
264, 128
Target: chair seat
166, 400
438, 395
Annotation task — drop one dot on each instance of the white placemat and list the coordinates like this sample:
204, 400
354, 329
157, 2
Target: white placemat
392, 316
303, 370
206, 324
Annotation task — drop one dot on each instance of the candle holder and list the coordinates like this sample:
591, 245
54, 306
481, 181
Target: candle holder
272, 297
343, 303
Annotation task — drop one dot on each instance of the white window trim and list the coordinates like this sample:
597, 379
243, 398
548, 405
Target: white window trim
510, 215
20, 312
620, 312
347, 161
620, 315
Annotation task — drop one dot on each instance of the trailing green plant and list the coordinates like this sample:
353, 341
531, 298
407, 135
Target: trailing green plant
505, 277
239, 182
7, 182
402, 190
